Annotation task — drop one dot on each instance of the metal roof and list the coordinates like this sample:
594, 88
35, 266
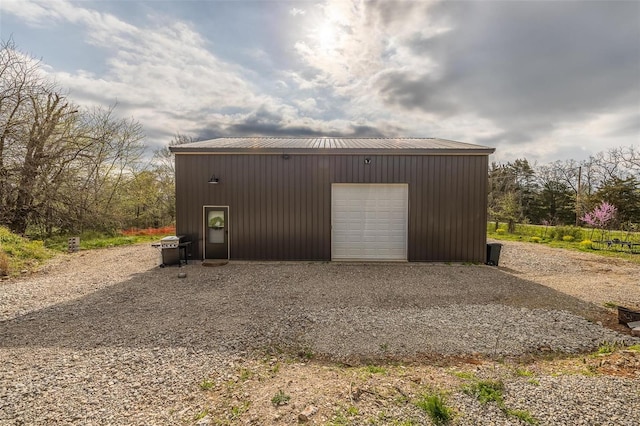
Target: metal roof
265, 145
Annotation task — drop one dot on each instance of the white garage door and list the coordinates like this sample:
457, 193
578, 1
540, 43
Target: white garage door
369, 221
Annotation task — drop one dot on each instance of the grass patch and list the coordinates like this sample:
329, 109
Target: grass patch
634, 348
96, 240
339, 419
522, 415
374, 369
555, 237
238, 410
523, 372
201, 415
493, 391
435, 405
486, 391
19, 254
306, 353
274, 369
606, 348
280, 398
610, 305
464, 375
207, 384
245, 374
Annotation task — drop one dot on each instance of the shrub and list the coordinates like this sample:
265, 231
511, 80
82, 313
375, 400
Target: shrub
561, 231
567, 238
500, 231
586, 244
535, 239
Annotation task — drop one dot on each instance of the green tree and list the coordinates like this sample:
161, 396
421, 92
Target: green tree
512, 191
507, 208
625, 195
555, 202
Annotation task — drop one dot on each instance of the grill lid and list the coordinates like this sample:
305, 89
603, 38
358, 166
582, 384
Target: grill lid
171, 241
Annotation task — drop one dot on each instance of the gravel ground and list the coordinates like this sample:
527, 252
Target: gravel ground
106, 337
586, 276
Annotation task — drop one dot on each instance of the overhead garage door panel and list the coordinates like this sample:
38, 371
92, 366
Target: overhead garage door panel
369, 221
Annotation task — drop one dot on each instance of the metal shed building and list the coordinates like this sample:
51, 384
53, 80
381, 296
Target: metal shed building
399, 199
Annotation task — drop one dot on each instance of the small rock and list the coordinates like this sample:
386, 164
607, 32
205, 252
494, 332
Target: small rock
634, 324
309, 411
636, 331
204, 421
182, 275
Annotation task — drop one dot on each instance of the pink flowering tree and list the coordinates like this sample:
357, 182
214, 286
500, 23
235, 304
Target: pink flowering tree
600, 217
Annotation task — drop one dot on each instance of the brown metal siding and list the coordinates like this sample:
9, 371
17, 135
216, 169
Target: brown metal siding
280, 208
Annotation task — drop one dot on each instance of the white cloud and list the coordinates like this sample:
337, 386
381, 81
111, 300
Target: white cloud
158, 71
427, 68
308, 105
32, 12
165, 76
295, 11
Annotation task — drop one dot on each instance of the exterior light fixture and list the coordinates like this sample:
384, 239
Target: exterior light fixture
367, 161
214, 180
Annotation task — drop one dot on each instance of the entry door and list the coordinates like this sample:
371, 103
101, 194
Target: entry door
216, 232
369, 221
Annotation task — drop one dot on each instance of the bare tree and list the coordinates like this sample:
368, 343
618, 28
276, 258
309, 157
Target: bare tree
59, 167
163, 166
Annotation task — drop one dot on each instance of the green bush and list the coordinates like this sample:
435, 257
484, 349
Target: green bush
535, 239
559, 232
501, 231
586, 244
567, 238
18, 253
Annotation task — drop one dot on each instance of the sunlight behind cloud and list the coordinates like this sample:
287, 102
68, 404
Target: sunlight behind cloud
326, 37
509, 75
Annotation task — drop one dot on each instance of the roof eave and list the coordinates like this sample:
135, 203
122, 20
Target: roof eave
333, 151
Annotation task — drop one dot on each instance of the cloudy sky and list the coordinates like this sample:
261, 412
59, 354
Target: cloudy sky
543, 79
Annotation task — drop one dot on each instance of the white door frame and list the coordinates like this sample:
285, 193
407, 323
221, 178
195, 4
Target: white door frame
204, 229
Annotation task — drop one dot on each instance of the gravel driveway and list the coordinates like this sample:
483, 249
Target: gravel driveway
107, 337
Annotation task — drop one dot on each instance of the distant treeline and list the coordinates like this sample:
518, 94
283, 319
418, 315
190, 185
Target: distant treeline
562, 192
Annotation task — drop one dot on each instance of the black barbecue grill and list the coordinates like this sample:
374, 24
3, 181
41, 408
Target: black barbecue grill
174, 250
